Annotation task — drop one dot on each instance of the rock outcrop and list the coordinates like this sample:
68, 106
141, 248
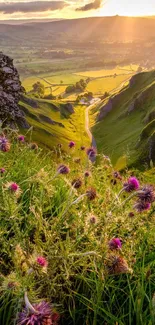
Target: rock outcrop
69, 108
10, 92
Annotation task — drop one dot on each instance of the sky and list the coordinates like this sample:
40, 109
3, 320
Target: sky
28, 9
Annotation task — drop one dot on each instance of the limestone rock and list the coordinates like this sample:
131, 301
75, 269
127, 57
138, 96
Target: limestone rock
10, 93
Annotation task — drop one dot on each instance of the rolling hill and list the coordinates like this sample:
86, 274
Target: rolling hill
124, 123
80, 30
55, 122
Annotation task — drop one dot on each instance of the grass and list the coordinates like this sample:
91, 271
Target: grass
119, 133
108, 72
101, 85
50, 135
42, 221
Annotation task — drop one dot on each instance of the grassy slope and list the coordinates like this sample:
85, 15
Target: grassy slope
42, 222
119, 132
50, 135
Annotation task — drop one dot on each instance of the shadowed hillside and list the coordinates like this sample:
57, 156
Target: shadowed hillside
125, 122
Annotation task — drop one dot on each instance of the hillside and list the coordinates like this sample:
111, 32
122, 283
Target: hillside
55, 122
124, 123
95, 28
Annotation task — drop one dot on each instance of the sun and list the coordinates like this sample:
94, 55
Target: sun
127, 8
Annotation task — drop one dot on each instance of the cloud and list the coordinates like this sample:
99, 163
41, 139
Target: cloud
33, 6
90, 6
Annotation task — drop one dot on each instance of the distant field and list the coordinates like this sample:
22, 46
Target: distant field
108, 72
99, 86
52, 79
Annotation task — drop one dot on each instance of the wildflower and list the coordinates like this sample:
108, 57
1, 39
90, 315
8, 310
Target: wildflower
92, 219
12, 285
63, 169
116, 265
2, 171
4, 144
91, 194
131, 214
131, 185
42, 261
141, 206
71, 144
115, 243
21, 138
77, 183
87, 173
91, 152
34, 146
117, 175
14, 188
37, 314
82, 148
147, 194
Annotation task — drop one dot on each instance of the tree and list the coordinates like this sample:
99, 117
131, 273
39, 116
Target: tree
39, 88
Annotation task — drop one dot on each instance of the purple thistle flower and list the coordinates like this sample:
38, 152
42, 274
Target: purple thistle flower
2, 170
131, 185
14, 187
93, 219
115, 243
4, 144
87, 173
34, 146
91, 152
142, 206
91, 193
71, 144
63, 169
41, 314
42, 261
77, 183
131, 214
116, 265
147, 194
21, 138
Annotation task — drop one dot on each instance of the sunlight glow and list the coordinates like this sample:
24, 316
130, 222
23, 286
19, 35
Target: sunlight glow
127, 8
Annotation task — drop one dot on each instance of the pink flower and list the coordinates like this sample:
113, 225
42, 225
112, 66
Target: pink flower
42, 261
141, 206
2, 170
4, 144
21, 138
131, 185
87, 173
71, 144
115, 243
91, 152
14, 187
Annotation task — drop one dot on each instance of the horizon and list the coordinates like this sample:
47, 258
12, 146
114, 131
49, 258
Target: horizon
75, 18
67, 9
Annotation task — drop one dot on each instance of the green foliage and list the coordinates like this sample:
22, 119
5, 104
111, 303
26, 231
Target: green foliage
39, 88
126, 129
43, 221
